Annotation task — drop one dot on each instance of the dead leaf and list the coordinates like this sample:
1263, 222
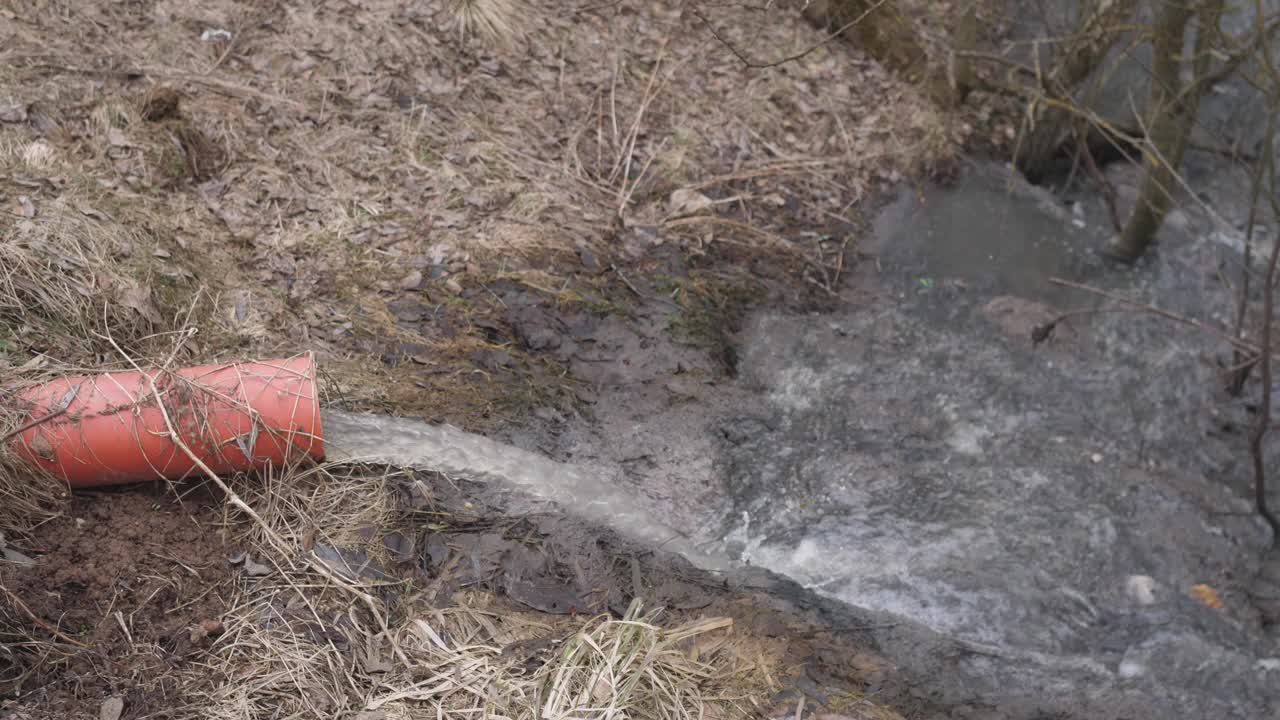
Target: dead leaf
688, 202
255, 569
1206, 595
65, 401
12, 111
161, 253
41, 446
13, 556
89, 211
111, 709
26, 208
448, 218
134, 296
204, 629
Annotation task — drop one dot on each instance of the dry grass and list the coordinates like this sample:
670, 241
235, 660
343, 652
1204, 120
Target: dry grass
298, 646
305, 167
494, 20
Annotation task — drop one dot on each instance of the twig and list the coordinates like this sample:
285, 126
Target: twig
17, 601
1264, 411
1181, 319
34, 423
626, 282
1108, 191
1044, 331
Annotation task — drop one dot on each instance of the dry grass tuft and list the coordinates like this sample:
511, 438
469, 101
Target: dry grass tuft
66, 277
495, 20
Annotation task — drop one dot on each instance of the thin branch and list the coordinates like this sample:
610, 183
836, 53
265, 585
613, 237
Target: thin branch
17, 601
34, 423
1161, 312
1268, 309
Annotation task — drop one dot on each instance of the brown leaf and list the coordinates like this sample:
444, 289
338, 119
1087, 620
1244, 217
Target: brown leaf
12, 111
688, 202
88, 210
204, 629
41, 446
134, 296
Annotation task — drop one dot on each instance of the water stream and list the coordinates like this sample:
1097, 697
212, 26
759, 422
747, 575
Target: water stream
408, 443
1038, 513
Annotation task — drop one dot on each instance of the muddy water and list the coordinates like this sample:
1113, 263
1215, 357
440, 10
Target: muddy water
1030, 519
923, 458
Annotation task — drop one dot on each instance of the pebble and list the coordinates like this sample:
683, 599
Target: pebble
1141, 589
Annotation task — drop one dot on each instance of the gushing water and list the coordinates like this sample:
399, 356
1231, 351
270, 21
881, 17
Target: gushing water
402, 442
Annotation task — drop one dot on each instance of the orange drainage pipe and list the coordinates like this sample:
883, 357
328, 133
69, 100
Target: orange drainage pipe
109, 430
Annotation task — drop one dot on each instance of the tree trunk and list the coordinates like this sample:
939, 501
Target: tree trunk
1051, 118
1171, 114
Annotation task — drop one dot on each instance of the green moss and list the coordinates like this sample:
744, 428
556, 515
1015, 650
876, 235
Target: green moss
711, 312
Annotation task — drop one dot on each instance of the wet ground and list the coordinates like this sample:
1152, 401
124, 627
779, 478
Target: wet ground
1051, 528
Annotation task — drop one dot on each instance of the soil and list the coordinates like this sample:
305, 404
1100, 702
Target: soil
137, 577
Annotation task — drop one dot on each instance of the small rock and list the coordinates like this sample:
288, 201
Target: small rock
1141, 589
491, 359
255, 569
589, 261
1095, 458
453, 286
111, 709
411, 281
1131, 669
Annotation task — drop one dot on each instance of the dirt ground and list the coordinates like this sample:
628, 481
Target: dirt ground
463, 227
135, 583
